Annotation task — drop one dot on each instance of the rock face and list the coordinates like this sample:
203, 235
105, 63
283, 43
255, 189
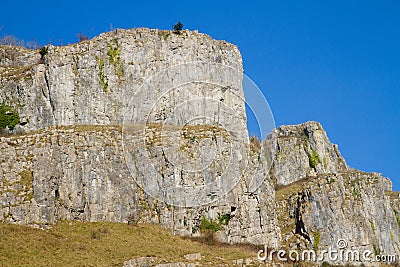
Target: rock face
149, 126
320, 200
90, 82
79, 172
302, 151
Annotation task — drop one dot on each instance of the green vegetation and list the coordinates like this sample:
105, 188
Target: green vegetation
396, 213
178, 27
8, 117
105, 244
102, 77
283, 192
210, 225
75, 69
114, 56
314, 159
325, 163
43, 51
224, 218
356, 193
164, 34
215, 225
317, 238
331, 180
27, 182
371, 223
377, 250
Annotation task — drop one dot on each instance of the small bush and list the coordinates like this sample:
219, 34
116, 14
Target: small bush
43, 51
214, 225
314, 159
8, 117
224, 218
178, 27
163, 34
317, 238
210, 225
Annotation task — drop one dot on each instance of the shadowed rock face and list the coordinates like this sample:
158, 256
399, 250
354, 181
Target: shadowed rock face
76, 160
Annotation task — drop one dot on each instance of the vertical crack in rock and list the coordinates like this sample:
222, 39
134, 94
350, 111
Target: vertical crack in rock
50, 99
300, 227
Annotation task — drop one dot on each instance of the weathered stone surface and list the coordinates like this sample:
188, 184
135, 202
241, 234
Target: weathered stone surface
178, 264
301, 151
79, 172
140, 262
193, 257
132, 76
76, 161
331, 201
91, 82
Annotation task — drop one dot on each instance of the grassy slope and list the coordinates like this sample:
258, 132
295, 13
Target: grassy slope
104, 244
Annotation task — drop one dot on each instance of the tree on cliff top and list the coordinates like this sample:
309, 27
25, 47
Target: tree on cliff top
178, 27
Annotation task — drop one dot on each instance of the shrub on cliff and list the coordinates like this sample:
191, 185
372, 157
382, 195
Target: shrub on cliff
43, 51
178, 27
8, 117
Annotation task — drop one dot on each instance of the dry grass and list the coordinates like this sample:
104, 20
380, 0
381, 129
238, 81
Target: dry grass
393, 195
283, 192
105, 244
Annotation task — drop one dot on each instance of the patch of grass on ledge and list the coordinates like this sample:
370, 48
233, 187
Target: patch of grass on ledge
66, 128
283, 192
104, 244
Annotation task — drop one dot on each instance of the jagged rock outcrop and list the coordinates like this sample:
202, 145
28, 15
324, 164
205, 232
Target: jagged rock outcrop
302, 151
320, 200
147, 125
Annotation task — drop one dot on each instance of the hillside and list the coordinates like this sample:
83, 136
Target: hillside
109, 244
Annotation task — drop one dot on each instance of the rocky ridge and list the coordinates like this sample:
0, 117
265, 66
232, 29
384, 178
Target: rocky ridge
68, 160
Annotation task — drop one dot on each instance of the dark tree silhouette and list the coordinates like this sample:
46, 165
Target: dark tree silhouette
178, 27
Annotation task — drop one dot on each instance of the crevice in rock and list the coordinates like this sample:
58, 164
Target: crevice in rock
46, 78
299, 223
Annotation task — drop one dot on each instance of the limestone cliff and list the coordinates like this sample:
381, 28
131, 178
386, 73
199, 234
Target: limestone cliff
79, 172
180, 101
320, 200
90, 82
150, 125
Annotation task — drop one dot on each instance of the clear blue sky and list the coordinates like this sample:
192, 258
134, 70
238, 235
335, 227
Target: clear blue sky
336, 62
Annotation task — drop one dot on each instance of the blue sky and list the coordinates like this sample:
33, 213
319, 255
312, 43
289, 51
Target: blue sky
336, 62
